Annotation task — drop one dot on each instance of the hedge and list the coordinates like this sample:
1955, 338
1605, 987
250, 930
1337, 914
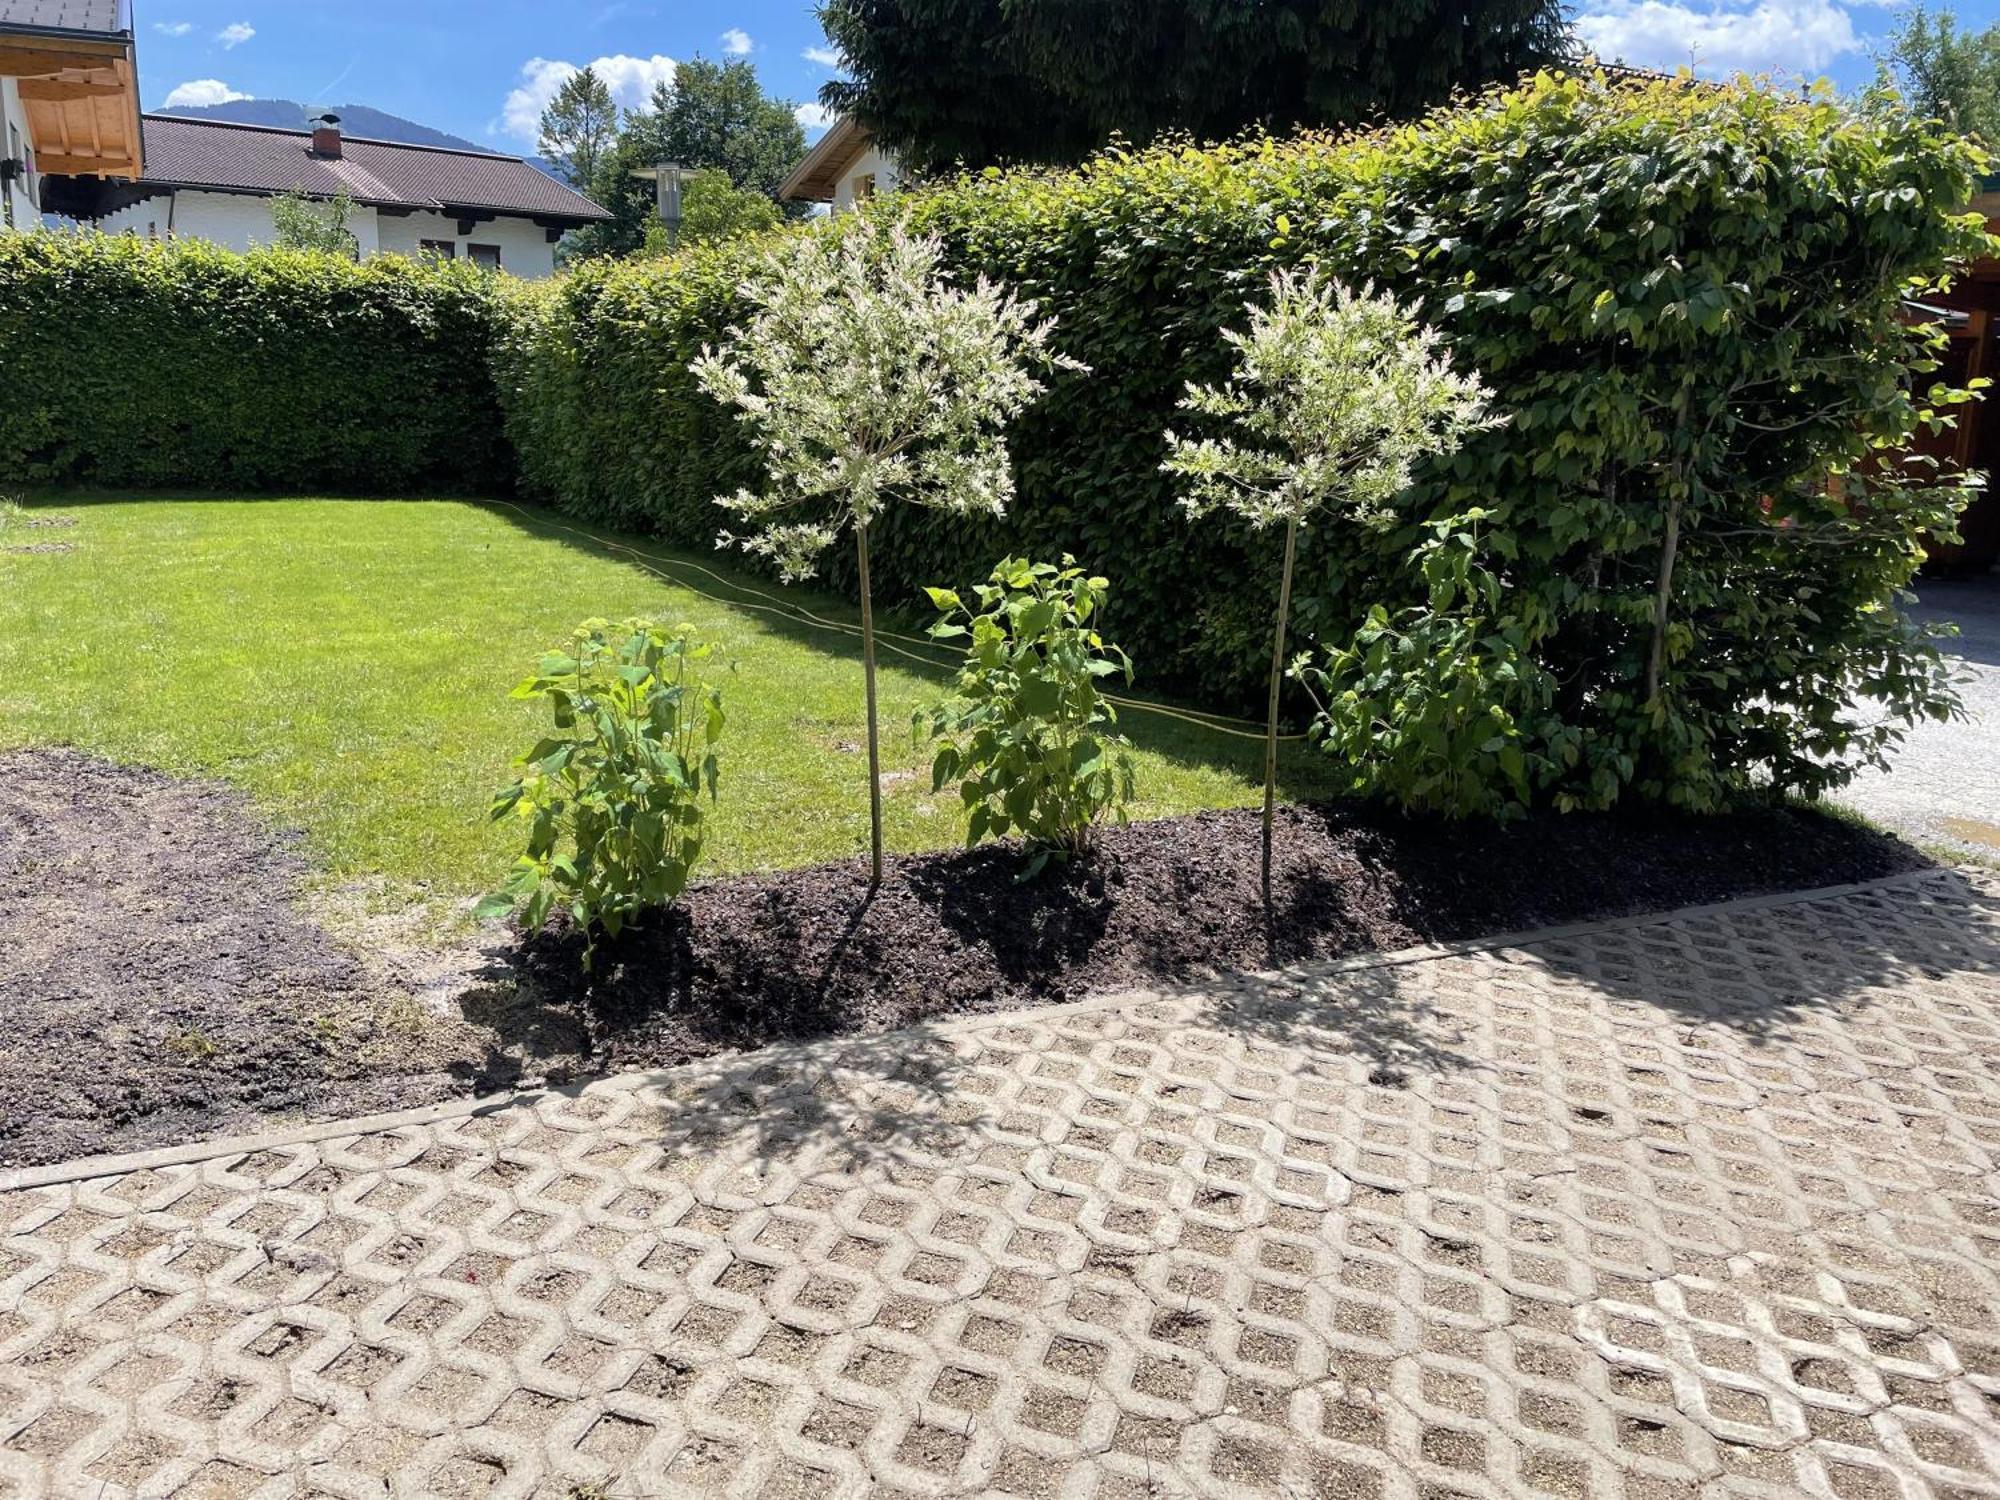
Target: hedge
128, 361
1687, 297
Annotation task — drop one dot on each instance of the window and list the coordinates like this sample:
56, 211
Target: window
438, 249
484, 255
864, 187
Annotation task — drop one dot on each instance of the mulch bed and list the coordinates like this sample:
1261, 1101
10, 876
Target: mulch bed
163, 984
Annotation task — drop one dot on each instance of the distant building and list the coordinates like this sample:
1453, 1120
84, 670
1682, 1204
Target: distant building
69, 98
215, 179
844, 167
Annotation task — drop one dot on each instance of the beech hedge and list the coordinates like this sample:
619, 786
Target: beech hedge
128, 361
1674, 559
1688, 298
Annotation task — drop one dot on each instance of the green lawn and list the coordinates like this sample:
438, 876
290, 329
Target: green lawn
348, 662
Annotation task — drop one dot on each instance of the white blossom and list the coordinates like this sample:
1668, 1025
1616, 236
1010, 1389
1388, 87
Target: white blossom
1335, 396
870, 378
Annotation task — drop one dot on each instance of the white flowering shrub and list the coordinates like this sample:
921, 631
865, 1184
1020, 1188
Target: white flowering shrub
868, 379
1335, 396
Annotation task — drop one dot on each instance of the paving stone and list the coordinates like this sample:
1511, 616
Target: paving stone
1700, 1206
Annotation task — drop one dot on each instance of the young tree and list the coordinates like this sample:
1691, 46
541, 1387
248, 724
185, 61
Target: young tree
1335, 396
984, 81
869, 380
579, 128
303, 223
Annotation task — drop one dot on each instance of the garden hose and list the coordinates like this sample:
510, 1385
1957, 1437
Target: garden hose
887, 640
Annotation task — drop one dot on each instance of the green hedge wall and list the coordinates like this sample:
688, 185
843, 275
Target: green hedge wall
132, 362
1676, 290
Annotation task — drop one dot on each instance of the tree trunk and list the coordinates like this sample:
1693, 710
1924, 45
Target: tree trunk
1656, 658
868, 678
1277, 679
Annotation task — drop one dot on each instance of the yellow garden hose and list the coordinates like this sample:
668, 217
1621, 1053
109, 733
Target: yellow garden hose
887, 640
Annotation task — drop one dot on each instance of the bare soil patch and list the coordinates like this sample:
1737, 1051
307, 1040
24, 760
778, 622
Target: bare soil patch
164, 981
160, 982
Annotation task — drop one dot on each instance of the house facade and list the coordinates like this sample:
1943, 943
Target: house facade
69, 99
844, 167
216, 180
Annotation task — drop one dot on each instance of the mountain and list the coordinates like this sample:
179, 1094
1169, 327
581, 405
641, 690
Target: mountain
355, 119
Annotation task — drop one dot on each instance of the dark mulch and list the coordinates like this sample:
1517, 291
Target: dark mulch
803, 953
161, 982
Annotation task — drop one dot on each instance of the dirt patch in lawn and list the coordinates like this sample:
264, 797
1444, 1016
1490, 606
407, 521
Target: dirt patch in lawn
164, 981
160, 983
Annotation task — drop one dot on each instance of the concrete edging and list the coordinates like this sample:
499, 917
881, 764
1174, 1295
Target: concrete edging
20, 1179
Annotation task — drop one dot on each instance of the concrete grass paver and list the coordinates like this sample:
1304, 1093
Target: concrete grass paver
1699, 1206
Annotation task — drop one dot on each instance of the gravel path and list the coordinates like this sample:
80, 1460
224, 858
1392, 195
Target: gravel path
1944, 786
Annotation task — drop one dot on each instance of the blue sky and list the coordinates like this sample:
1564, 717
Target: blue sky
482, 68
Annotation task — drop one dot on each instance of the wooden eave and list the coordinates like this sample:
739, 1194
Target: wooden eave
80, 93
819, 171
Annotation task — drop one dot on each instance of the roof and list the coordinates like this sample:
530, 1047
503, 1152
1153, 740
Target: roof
103, 17
223, 156
814, 178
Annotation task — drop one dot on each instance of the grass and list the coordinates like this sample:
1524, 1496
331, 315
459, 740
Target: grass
348, 664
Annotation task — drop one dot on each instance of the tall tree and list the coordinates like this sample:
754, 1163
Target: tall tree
713, 117
981, 81
578, 128
717, 115
1943, 70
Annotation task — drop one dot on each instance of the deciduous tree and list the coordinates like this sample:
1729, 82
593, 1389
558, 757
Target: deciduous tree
983, 81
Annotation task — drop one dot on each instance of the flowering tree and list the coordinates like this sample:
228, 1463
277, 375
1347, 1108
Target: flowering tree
1335, 396
870, 380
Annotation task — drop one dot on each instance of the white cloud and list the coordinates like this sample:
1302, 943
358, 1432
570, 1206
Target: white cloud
1723, 36
173, 28
814, 116
235, 33
203, 91
736, 42
630, 79
826, 57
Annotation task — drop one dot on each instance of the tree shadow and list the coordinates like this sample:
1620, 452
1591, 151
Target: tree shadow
1972, 604
1302, 772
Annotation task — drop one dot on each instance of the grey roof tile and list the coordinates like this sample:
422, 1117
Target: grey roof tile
260, 159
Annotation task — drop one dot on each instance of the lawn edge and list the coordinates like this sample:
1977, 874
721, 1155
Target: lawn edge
54, 1174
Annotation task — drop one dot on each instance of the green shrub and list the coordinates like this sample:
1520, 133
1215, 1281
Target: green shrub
129, 361
612, 799
1686, 299
1437, 709
1029, 737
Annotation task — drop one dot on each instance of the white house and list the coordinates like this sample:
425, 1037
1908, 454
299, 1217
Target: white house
215, 180
69, 99
844, 167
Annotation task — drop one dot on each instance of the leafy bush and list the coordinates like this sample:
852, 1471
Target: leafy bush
1687, 300
612, 799
1029, 737
1437, 709
128, 361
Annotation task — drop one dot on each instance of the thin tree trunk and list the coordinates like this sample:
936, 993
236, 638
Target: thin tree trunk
868, 677
1656, 658
1277, 678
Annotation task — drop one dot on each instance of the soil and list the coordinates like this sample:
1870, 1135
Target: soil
164, 981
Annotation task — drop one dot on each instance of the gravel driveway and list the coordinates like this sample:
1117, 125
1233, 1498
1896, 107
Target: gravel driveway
1945, 785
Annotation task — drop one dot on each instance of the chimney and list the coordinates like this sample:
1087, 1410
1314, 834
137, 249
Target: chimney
326, 136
